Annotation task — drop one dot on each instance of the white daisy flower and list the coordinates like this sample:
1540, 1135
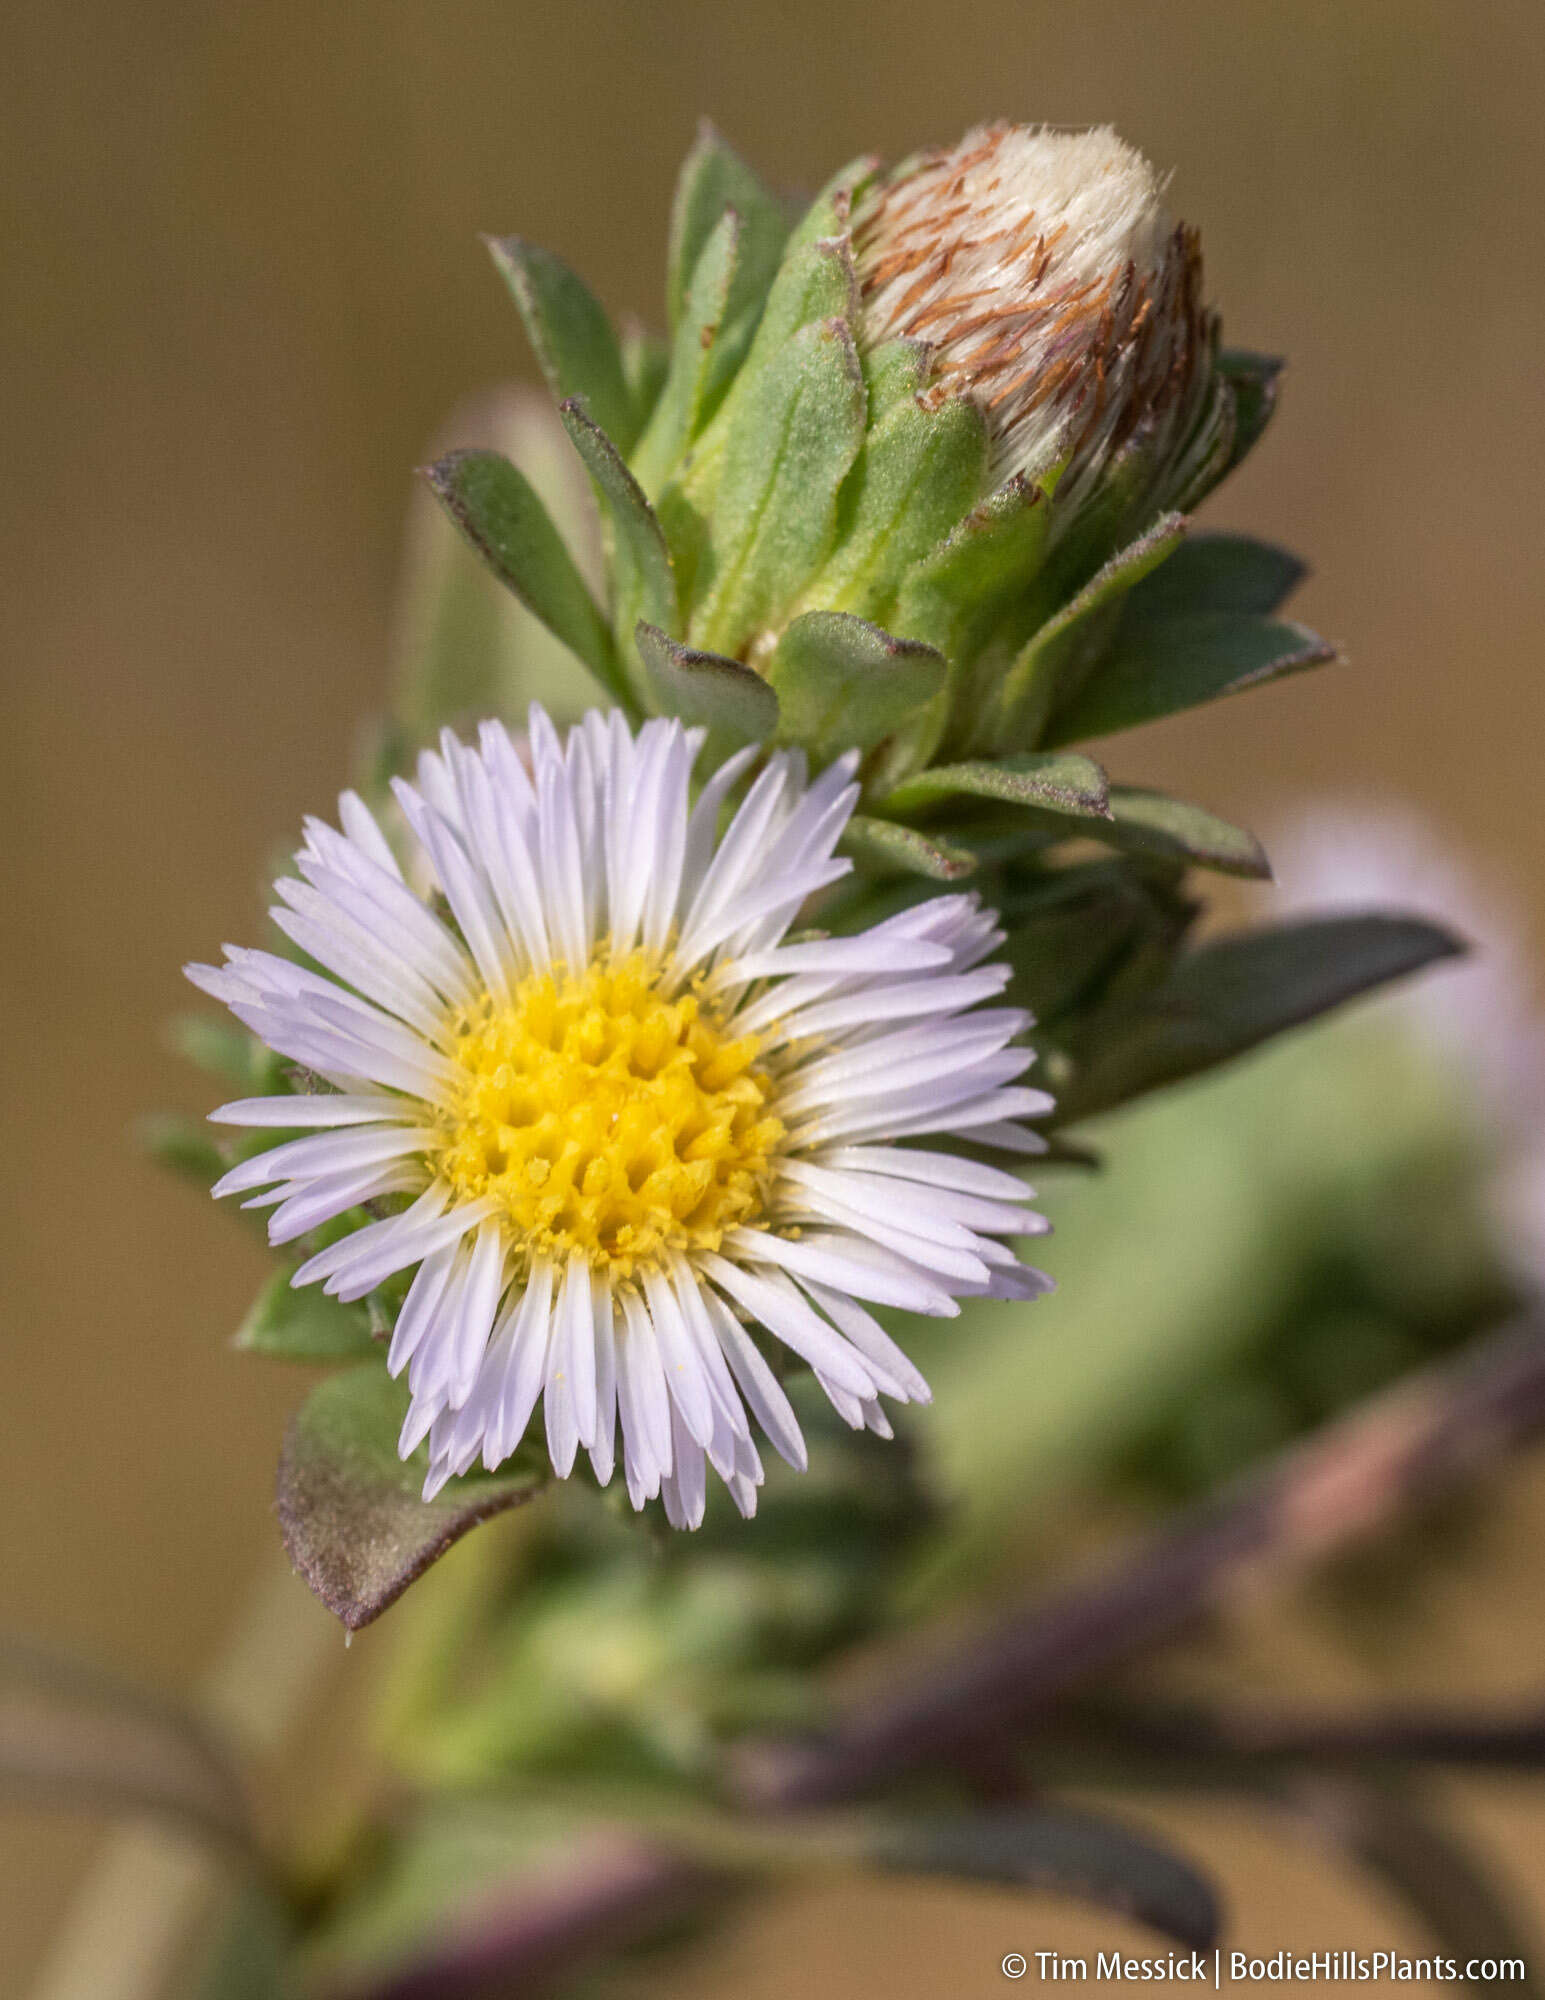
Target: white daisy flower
629, 1120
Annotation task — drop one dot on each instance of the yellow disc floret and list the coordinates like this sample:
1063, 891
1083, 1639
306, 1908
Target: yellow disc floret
607, 1118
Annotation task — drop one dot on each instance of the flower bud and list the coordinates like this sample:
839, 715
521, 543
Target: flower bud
1050, 285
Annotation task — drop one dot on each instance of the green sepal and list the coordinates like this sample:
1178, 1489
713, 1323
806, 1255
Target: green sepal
498, 510
714, 178
955, 594
844, 684
304, 1324
796, 427
1254, 379
569, 333
644, 581
1158, 668
350, 1509
721, 695
889, 848
1062, 781
920, 470
1236, 992
1147, 822
1218, 573
1055, 661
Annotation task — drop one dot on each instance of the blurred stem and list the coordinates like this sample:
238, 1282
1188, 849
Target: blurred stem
1342, 1486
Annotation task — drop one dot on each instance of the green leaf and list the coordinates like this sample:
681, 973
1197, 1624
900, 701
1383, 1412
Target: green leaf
1067, 1852
644, 580
1151, 823
682, 408
1056, 660
498, 510
223, 1048
1058, 781
714, 178
723, 696
73, 1736
1238, 991
953, 596
350, 1509
844, 684
795, 432
1217, 573
830, 214
920, 470
570, 333
1171, 664
645, 361
304, 1324
815, 282
1096, 938
1253, 378
464, 646
182, 1145
894, 849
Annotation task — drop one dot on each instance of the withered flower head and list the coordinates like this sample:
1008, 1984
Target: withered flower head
1050, 285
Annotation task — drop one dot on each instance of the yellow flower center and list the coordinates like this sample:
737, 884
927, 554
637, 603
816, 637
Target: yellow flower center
607, 1118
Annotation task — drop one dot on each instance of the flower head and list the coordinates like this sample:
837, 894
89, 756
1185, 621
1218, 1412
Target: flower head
610, 1117
1043, 273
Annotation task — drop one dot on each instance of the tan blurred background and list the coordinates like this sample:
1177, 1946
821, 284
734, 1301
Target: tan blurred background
243, 284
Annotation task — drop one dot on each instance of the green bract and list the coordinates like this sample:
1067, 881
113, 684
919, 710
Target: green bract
811, 537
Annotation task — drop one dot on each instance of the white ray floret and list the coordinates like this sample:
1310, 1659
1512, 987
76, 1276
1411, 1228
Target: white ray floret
609, 1125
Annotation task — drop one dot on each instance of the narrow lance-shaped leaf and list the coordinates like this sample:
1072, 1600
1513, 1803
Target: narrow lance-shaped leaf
906, 851
706, 689
464, 646
1254, 380
842, 683
1063, 1851
954, 595
498, 510
713, 178
570, 334
645, 581
815, 284
1146, 822
795, 433
1217, 573
1159, 668
1058, 781
1238, 991
350, 1509
683, 404
1052, 664
920, 470
645, 361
